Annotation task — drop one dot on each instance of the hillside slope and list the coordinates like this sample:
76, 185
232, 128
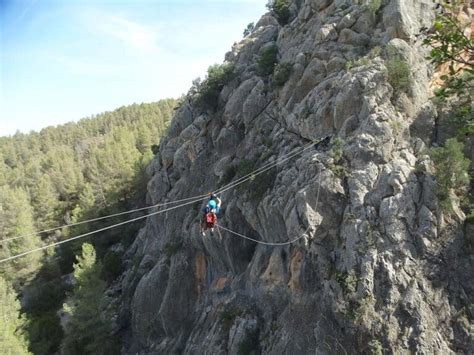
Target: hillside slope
377, 268
69, 174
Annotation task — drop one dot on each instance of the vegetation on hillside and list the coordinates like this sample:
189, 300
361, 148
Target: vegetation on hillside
452, 51
450, 47
87, 330
12, 339
63, 175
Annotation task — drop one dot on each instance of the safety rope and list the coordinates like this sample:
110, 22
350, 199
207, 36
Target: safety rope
237, 182
260, 241
265, 168
227, 187
272, 243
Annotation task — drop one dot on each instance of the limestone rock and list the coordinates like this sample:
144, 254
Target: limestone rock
375, 266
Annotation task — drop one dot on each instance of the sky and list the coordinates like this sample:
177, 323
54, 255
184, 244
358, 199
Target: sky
63, 60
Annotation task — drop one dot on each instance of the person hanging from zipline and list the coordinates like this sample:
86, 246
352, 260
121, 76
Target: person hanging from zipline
211, 210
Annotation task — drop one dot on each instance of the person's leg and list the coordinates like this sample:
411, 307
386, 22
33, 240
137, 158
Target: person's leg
203, 225
212, 225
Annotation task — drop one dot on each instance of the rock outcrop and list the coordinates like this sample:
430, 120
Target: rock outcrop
377, 271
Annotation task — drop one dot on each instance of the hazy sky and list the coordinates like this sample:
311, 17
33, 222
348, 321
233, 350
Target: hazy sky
65, 60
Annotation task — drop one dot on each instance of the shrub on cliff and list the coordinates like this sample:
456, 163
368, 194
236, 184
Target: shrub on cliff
218, 75
399, 75
281, 10
267, 60
451, 172
282, 73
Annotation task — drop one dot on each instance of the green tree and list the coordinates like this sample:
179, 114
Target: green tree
45, 202
399, 74
282, 73
218, 75
249, 29
281, 10
16, 219
450, 172
267, 60
86, 331
84, 208
12, 339
451, 50
44, 296
144, 139
450, 45
64, 174
5, 171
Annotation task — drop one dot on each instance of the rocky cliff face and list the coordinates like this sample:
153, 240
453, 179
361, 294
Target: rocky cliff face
378, 270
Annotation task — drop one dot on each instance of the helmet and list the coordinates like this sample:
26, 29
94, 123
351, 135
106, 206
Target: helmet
212, 204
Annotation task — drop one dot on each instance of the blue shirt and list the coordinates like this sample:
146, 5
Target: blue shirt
208, 209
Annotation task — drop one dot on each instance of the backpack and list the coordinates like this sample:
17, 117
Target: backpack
210, 218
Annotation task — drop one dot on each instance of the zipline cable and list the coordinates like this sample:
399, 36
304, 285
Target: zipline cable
96, 231
103, 217
219, 191
166, 210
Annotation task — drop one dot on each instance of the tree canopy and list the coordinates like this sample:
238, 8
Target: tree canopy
61, 175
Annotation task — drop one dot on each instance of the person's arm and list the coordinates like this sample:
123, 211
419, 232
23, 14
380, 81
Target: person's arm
219, 202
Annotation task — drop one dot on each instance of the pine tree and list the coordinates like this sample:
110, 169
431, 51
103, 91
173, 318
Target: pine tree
16, 219
83, 210
86, 331
45, 203
5, 171
65, 172
12, 339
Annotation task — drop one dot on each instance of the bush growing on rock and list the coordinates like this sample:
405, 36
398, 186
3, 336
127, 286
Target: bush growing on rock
112, 265
375, 347
451, 172
228, 316
281, 10
261, 184
399, 75
267, 60
248, 30
245, 166
249, 344
228, 175
282, 73
155, 149
218, 75
336, 153
374, 6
